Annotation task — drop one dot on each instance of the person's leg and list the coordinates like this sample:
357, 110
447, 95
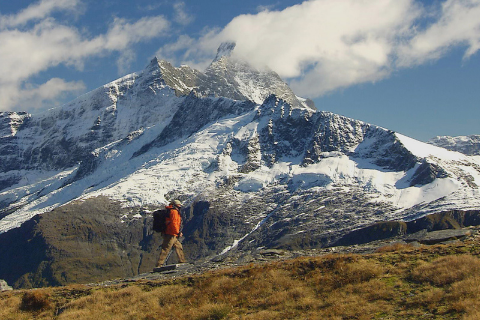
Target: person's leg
168, 242
179, 251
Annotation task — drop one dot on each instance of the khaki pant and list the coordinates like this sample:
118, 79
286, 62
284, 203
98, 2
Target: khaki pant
170, 241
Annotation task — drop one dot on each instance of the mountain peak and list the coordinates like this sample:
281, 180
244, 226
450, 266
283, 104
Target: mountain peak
153, 65
154, 61
225, 50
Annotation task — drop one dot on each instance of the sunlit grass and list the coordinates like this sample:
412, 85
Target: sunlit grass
401, 282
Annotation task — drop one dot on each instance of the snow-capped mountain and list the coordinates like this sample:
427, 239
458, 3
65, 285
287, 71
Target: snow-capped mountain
255, 165
469, 145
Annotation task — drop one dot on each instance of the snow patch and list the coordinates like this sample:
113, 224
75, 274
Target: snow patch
249, 184
425, 150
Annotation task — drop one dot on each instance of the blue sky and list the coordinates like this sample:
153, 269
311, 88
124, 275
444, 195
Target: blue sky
411, 66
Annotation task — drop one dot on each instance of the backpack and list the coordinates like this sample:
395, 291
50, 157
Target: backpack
160, 220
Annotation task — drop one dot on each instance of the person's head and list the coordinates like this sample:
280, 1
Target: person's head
176, 203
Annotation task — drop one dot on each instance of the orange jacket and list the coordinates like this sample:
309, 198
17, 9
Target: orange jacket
173, 222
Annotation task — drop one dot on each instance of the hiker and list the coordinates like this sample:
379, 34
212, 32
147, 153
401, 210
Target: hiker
172, 233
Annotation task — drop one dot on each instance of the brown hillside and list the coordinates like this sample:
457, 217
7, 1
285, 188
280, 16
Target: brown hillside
396, 282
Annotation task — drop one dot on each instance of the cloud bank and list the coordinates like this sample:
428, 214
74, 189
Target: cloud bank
317, 46
32, 41
320, 46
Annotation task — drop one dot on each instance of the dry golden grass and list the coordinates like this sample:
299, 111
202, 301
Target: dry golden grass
35, 300
447, 270
395, 247
433, 283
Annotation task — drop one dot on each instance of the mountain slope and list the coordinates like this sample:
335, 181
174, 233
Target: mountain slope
255, 165
396, 282
469, 145
272, 149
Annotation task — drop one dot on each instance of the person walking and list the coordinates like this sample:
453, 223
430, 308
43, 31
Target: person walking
172, 233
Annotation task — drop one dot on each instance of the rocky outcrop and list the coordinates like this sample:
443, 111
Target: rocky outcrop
66, 136
469, 145
433, 228
439, 236
10, 123
78, 243
427, 172
193, 114
236, 79
4, 286
226, 77
377, 231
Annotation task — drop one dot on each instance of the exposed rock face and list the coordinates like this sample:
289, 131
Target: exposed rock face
335, 133
4, 286
225, 50
226, 77
195, 113
63, 137
377, 231
235, 79
10, 122
469, 145
426, 173
79, 243
439, 236
452, 219
430, 229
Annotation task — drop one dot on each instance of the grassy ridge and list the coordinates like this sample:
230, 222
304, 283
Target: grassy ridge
397, 282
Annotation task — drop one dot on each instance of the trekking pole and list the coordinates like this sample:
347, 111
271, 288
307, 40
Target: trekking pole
168, 256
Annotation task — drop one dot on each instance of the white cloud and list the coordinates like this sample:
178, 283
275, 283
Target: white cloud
458, 23
122, 33
53, 87
323, 45
181, 15
39, 96
170, 51
27, 51
182, 51
261, 8
127, 57
37, 11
